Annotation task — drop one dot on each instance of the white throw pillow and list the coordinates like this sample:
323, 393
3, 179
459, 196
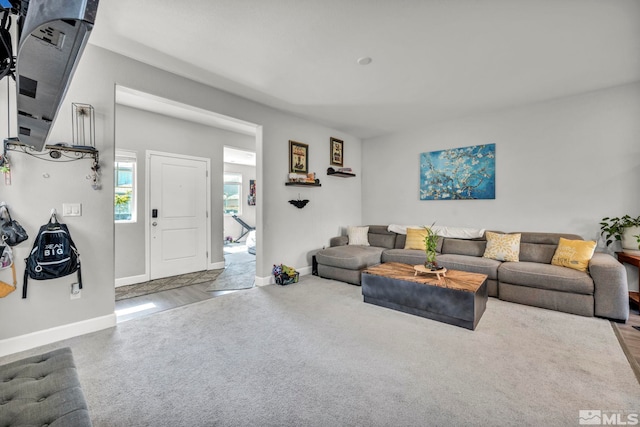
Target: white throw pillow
358, 235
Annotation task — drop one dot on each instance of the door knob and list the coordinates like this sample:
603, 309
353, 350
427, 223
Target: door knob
154, 223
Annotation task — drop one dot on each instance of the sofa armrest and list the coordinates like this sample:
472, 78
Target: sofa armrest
611, 293
339, 241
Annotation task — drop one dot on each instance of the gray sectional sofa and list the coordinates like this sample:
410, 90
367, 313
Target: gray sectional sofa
602, 291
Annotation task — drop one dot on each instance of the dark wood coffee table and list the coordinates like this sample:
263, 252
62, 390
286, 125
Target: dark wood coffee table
459, 298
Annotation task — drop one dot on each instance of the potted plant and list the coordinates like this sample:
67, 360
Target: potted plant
625, 229
430, 245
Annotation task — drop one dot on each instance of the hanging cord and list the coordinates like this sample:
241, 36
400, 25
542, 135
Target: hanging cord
8, 106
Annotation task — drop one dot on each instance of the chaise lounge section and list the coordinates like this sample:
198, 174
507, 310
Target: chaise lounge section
601, 291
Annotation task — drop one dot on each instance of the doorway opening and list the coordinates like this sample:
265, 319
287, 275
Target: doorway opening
146, 123
239, 209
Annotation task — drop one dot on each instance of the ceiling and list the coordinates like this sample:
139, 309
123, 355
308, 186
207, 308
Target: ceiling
239, 157
433, 60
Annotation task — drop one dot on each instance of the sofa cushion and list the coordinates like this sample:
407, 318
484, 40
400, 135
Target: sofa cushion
537, 252
502, 247
386, 241
415, 238
545, 276
350, 257
574, 253
464, 247
341, 274
404, 256
540, 247
358, 236
380, 229
472, 264
381, 237
545, 238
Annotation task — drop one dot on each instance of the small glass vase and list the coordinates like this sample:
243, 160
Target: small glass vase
431, 262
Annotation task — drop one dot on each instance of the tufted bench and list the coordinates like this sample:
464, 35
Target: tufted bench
42, 390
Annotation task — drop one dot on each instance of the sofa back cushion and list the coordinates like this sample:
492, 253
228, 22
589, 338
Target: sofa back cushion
380, 237
535, 252
464, 247
401, 240
540, 247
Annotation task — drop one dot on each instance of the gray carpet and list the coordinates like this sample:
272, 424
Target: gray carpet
239, 273
166, 283
313, 354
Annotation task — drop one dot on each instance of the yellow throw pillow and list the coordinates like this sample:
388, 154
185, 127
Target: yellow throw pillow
502, 247
574, 253
415, 238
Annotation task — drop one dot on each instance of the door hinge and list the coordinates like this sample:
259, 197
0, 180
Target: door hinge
207, 214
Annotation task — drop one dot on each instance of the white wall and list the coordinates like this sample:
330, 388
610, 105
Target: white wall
138, 131
31, 196
561, 166
248, 213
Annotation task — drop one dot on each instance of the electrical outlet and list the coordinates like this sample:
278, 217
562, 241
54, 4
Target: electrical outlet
76, 293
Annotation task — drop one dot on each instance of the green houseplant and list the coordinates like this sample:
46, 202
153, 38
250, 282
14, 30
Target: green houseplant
624, 229
430, 245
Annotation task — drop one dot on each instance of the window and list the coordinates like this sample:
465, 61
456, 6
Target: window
125, 186
232, 193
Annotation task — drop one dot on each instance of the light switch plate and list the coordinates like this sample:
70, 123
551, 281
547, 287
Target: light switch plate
72, 209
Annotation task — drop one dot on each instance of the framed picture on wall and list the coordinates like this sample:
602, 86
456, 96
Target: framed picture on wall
298, 157
337, 147
251, 198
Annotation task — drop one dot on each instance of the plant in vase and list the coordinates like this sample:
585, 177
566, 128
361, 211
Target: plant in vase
626, 230
430, 245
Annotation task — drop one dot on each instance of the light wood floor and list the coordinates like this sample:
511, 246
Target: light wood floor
133, 308
630, 339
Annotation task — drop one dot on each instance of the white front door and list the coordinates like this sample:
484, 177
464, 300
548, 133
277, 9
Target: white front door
177, 214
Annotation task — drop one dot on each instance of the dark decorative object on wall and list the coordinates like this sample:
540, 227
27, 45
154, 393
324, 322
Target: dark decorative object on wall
251, 198
298, 157
337, 149
299, 203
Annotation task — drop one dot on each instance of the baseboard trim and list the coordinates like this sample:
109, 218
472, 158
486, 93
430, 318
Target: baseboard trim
48, 336
216, 265
131, 280
264, 281
305, 271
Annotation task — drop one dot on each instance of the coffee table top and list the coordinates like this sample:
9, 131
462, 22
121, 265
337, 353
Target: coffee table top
455, 279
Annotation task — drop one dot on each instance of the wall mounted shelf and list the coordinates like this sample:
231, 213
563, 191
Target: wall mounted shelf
342, 174
56, 153
303, 184
62, 153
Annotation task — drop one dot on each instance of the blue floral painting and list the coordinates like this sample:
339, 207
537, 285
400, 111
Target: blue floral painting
459, 173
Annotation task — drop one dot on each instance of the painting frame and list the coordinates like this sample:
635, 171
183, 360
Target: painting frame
463, 173
298, 157
251, 198
336, 152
